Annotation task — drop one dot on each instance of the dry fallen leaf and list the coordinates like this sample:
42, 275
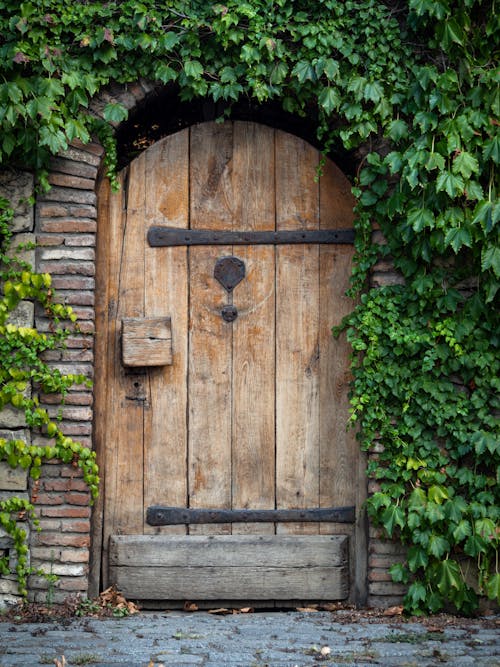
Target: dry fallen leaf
246, 610
60, 663
190, 606
330, 606
393, 611
221, 611
113, 598
307, 609
434, 628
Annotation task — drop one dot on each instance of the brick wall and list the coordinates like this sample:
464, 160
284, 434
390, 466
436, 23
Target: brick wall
18, 187
64, 225
382, 553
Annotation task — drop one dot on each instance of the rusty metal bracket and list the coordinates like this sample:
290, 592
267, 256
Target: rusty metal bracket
158, 515
172, 236
229, 271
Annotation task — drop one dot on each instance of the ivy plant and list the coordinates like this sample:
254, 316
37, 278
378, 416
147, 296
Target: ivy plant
411, 87
22, 368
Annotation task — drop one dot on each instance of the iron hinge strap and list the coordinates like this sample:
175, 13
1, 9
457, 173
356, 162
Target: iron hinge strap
171, 236
158, 515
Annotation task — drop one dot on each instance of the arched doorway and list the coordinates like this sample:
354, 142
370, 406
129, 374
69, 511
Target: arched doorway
218, 384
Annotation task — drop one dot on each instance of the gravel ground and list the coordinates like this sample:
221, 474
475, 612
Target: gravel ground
273, 639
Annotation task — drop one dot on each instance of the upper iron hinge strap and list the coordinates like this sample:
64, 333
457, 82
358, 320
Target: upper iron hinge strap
171, 236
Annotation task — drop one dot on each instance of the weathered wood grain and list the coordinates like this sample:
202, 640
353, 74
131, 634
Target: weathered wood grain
228, 550
231, 567
253, 363
121, 429
210, 338
126, 408
166, 293
297, 344
146, 341
214, 583
338, 446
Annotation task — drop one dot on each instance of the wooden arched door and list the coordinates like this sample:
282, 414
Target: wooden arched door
219, 385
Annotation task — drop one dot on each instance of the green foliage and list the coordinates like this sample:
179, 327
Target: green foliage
414, 86
21, 367
425, 393
9, 512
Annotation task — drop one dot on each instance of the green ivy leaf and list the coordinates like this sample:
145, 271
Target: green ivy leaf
484, 441
435, 161
491, 149
165, 73
421, 218
493, 587
448, 576
331, 69
416, 594
417, 558
434, 512
490, 259
465, 164
115, 113
279, 73
452, 33
437, 494
373, 91
455, 508
330, 100
486, 528
452, 184
474, 545
397, 129
462, 531
438, 545
457, 237
168, 40
399, 573
304, 71
53, 138
193, 69
391, 517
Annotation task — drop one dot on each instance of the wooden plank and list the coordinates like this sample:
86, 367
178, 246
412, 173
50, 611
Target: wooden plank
166, 278
146, 341
214, 583
297, 343
127, 395
123, 416
339, 449
253, 367
138, 328
228, 550
158, 515
230, 567
210, 338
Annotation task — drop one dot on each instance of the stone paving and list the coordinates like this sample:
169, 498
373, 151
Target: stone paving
272, 639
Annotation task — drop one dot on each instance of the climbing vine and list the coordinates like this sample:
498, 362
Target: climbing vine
22, 368
411, 89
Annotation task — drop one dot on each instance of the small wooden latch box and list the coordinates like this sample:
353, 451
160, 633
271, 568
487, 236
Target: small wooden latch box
146, 341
